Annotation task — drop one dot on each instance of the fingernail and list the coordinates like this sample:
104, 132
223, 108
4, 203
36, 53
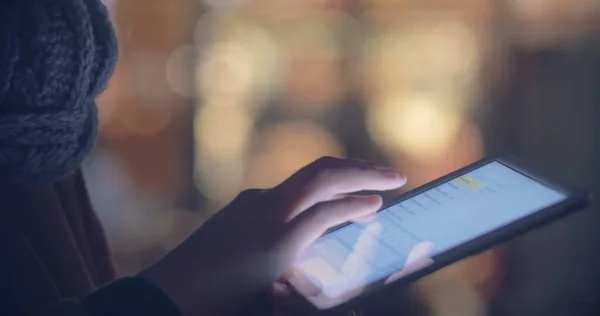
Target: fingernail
401, 176
371, 198
393, 173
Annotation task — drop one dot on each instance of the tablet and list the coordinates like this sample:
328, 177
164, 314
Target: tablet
451, 218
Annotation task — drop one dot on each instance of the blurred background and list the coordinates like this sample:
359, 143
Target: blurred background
212, 97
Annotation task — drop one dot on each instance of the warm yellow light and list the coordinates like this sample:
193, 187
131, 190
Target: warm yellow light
221, 131
222, 134
427, 56
219, 180
452, 50
239, 61
419, 125
466, 147
226, 70
287, 147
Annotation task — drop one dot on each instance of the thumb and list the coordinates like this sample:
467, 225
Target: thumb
305, 228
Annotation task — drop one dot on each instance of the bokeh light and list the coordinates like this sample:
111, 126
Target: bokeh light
239, 61
286, 147
225, 72
448, 298
180, 75
224, 4
218, 180
315, 80
149, 75
419, 125
440, 55
465, 147
145, 120
456, 290
222, 133
481, 270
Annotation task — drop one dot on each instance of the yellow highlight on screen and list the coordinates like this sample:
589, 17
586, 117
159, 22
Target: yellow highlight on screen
470, 183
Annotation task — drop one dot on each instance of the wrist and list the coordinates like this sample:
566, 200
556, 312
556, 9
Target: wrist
179, 286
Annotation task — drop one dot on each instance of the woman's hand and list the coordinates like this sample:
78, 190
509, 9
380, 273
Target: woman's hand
241, 251
287, 302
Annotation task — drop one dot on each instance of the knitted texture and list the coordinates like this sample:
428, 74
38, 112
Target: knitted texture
56, 57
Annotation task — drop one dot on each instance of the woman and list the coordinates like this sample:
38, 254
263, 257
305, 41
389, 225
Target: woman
56, 56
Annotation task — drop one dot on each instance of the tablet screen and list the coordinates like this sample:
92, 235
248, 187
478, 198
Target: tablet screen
409, 234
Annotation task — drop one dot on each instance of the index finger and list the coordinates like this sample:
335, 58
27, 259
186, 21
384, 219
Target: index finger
328, 177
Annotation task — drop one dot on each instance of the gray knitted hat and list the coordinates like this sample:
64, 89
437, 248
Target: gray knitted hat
56, 56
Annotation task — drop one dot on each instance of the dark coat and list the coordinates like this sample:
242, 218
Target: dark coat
54, 247
55, 257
